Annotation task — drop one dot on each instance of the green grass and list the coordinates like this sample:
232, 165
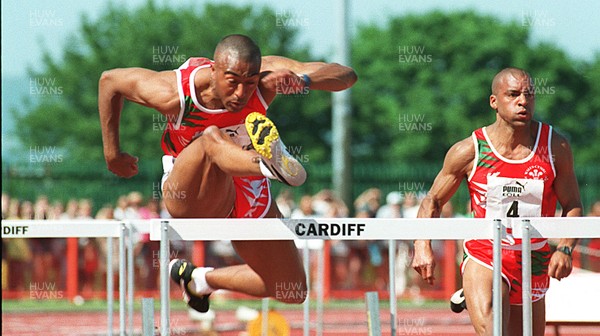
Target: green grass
30, 306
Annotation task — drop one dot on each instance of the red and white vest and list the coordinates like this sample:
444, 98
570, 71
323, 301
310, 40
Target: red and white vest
193, 118
504, 188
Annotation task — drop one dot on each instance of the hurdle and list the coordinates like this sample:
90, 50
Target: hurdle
277, 229
81, 229
368, 229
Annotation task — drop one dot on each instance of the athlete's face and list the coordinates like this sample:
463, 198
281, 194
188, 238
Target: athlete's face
235, 81
514, 99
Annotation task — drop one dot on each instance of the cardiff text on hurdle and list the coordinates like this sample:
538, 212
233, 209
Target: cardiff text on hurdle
329, 229
14, 230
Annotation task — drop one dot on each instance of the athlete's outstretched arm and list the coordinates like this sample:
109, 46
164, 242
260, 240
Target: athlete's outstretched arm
145, 87
457, 165
567, 192
278, 70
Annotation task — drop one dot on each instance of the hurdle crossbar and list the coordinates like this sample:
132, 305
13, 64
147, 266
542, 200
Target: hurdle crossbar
209, 229
16, 228
281, 229
359, 229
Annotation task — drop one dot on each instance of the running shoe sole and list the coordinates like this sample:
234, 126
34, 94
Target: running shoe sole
266, 141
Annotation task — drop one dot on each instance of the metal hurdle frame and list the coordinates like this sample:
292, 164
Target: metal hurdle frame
374, 229
108, 229
277, 229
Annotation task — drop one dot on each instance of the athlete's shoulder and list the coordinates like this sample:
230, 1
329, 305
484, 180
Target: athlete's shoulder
460, 156
560, 144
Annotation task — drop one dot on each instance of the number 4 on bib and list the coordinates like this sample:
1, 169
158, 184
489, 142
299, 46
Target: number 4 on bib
513, 211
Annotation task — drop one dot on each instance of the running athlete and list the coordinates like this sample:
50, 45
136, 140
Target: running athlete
515, 167
220, 149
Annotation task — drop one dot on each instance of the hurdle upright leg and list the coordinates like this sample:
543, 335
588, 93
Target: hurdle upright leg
392, 280
110, 286
526, 263
122, 273
148, 317
265, 317
306, 305
497, 280
164, 279
130, 275
373, 320
320, 289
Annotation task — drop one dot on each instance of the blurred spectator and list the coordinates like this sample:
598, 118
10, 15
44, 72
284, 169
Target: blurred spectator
89, 263
4, 263
41, 249
47, 266
147, 251
18, 252
327, 204
592, 246
72, 210
305, 209
595, 210
121, 207
107, 213
85, 209
285, 202
41, 207
58, 247
410, 206
88, 251
366, 256
134, 204
367, 203
392, 207
5, 205
56, 210
151, 210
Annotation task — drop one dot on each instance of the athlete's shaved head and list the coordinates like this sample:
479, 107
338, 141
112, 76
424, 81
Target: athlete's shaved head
506, 73
237, 48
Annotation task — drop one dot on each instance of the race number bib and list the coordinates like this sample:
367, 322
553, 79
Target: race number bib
513, 197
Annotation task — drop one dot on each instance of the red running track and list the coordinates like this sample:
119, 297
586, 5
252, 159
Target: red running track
336, 322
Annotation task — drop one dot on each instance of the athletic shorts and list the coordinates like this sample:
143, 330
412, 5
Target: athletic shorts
481, 252
252, 193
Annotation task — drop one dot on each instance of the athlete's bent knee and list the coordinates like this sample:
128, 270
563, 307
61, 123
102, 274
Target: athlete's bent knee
212, 138
484, 324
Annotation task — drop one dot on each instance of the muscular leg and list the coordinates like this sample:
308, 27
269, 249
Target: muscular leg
477, 284
200, 184
273, 268
515, 326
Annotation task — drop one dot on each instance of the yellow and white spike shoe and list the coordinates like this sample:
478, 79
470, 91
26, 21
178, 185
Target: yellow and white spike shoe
276, 162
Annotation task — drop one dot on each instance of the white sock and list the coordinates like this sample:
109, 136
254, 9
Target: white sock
265, 171
198, 284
